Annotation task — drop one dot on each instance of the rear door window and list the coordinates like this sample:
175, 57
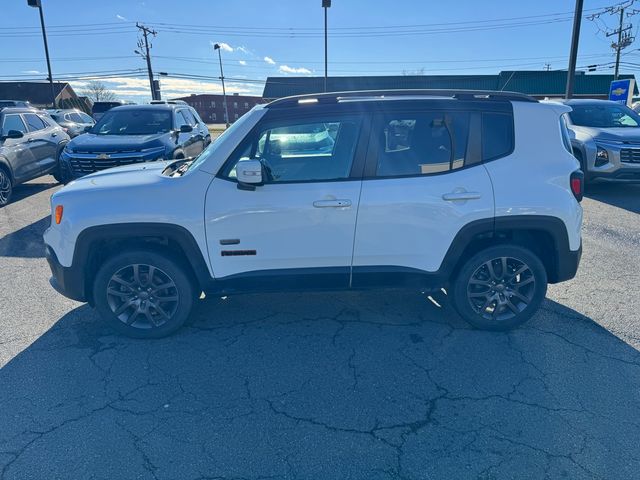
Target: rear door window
422, 143
34, 122
497, 135
73, 117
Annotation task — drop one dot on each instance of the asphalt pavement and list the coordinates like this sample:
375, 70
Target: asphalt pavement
325, 386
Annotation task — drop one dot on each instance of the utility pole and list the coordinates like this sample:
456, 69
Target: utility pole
38, 4
618, 45
623, 32
325, 4
573, 56
224, 92
144, 43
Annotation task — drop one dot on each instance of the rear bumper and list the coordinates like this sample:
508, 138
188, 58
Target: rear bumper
567, 267
67, 281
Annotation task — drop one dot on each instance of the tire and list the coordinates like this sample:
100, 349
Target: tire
489, 299
60, 173
137, 306
6, 187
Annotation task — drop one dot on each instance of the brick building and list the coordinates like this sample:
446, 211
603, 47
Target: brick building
211, 107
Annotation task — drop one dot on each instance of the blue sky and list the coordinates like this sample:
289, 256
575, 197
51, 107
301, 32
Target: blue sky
284, 37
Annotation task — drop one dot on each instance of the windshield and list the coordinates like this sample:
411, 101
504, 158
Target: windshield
604, 116
134, 122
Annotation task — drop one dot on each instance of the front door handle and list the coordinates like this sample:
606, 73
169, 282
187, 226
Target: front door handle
331, 203
54, 134
461, 196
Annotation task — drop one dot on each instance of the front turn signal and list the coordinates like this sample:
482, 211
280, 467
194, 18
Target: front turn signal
58, 214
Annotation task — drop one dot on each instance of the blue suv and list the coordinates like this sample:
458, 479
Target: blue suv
136, 134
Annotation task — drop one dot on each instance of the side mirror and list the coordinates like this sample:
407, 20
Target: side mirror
88, 128
186, 128
13, 134
249, 174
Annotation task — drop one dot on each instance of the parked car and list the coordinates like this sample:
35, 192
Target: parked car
477, 193
73, 121
136, 134
99, 108
605, 138
15, 103
30, 146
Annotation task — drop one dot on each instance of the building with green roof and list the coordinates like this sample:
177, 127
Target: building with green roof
540, 84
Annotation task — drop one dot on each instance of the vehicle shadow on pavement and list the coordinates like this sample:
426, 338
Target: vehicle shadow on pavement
354, 385
626, 196
26, 242
25, 190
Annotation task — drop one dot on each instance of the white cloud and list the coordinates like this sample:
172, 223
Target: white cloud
137, 89
120, 17
224, 46
242, 62
243, 49
270, 60
288, 69
31, 72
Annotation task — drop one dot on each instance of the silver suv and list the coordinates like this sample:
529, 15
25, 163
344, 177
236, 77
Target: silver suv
605, 137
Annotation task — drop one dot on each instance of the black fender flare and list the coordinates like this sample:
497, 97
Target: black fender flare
89, 241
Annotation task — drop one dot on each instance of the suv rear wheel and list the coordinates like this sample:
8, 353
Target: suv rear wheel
6, 187
500, 288
143, 294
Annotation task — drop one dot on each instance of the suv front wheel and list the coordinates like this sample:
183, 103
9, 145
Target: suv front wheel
6, 187
143, 294
500, 288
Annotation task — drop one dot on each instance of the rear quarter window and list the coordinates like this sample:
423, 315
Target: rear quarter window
497, 135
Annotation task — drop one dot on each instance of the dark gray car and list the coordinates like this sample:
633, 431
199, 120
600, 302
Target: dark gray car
605, 137
30, 146
74, 122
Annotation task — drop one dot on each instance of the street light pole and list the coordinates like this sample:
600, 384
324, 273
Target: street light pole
575, 37
325, 4
38, 4
224, 92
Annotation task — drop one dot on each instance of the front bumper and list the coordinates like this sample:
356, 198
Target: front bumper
67, 281
623, 163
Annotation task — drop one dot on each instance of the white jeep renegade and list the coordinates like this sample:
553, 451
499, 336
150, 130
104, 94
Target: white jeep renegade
474, 192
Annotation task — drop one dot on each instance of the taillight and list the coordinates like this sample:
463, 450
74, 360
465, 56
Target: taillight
576, 181
58, 214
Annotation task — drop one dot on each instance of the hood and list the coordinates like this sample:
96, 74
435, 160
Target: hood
108, 143
620, 134
119, 177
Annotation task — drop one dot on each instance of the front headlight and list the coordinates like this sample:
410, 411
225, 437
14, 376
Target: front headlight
602, 156
68, 148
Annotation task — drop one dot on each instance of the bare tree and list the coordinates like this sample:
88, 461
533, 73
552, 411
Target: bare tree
98, 92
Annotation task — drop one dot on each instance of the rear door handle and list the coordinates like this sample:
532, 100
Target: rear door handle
31, 140
461, 196
54, 134
331, 203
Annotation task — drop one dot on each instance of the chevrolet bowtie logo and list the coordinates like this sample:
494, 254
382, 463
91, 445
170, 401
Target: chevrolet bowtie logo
619, 91
103, 156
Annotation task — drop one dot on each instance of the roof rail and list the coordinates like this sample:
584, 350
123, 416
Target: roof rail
336, 97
